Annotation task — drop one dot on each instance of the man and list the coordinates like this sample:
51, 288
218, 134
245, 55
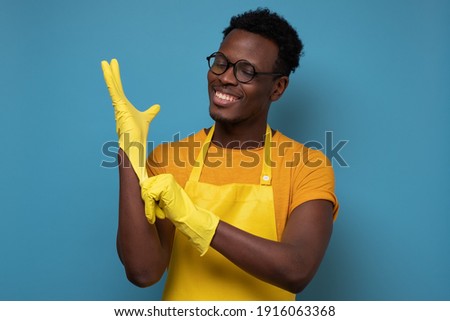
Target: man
237, 211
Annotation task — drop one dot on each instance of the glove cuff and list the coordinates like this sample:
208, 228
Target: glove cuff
136, 153
200, 229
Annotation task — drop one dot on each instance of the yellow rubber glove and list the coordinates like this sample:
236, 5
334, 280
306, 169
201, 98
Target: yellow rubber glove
131, 124
198, 224
152, 210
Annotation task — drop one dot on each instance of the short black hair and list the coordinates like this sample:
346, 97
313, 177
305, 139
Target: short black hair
274, 27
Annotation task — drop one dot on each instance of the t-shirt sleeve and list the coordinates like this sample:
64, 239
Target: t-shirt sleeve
314, 180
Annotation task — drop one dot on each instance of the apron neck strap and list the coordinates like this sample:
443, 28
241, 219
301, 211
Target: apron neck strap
266, 173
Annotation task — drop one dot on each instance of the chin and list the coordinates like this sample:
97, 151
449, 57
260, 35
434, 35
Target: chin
218, 118
224, 115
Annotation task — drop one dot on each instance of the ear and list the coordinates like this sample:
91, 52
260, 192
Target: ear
279, 87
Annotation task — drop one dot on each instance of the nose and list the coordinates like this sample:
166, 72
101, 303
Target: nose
228, 76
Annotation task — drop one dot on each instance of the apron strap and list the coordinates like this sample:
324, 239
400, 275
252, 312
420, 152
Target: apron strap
198, 165
266, 173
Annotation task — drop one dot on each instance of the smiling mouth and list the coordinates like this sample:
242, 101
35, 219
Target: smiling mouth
225, 97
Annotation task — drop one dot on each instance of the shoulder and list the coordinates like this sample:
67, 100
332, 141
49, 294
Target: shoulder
297, 155
311, 173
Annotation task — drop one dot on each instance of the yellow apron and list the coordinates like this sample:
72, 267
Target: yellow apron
212, 276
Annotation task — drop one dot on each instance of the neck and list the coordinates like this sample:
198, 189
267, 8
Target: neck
239, 137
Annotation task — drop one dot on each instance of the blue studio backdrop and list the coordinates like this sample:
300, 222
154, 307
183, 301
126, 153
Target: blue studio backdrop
372, 91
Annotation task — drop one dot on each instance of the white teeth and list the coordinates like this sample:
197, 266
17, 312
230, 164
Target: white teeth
225, 96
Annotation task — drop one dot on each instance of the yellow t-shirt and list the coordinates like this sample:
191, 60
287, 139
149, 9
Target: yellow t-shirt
299, 174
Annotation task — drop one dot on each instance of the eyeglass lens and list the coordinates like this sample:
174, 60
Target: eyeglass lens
243, 70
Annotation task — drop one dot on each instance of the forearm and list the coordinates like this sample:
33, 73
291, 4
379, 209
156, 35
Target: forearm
274, 262
289, 264
142, 251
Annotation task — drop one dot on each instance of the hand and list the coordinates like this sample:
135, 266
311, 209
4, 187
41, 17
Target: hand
198, 224
131, 124
152, 210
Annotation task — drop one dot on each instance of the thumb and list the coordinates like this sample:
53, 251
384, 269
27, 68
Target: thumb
151, 112
159, 213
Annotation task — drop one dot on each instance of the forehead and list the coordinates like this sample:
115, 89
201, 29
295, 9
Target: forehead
240, 44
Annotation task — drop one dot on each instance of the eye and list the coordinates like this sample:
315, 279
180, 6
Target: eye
220, 63
248, 72
246, 69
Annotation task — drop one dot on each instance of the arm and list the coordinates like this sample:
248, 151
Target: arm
291, 263
143, 248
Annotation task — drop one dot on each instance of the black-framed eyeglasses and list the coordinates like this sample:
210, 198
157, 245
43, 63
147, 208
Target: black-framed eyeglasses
243, 70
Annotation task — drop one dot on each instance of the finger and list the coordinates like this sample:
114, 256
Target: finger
116, 74
159, 213
150, 210
110, 83
151, 112
149, 189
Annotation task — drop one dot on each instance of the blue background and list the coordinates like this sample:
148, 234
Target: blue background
374, 73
